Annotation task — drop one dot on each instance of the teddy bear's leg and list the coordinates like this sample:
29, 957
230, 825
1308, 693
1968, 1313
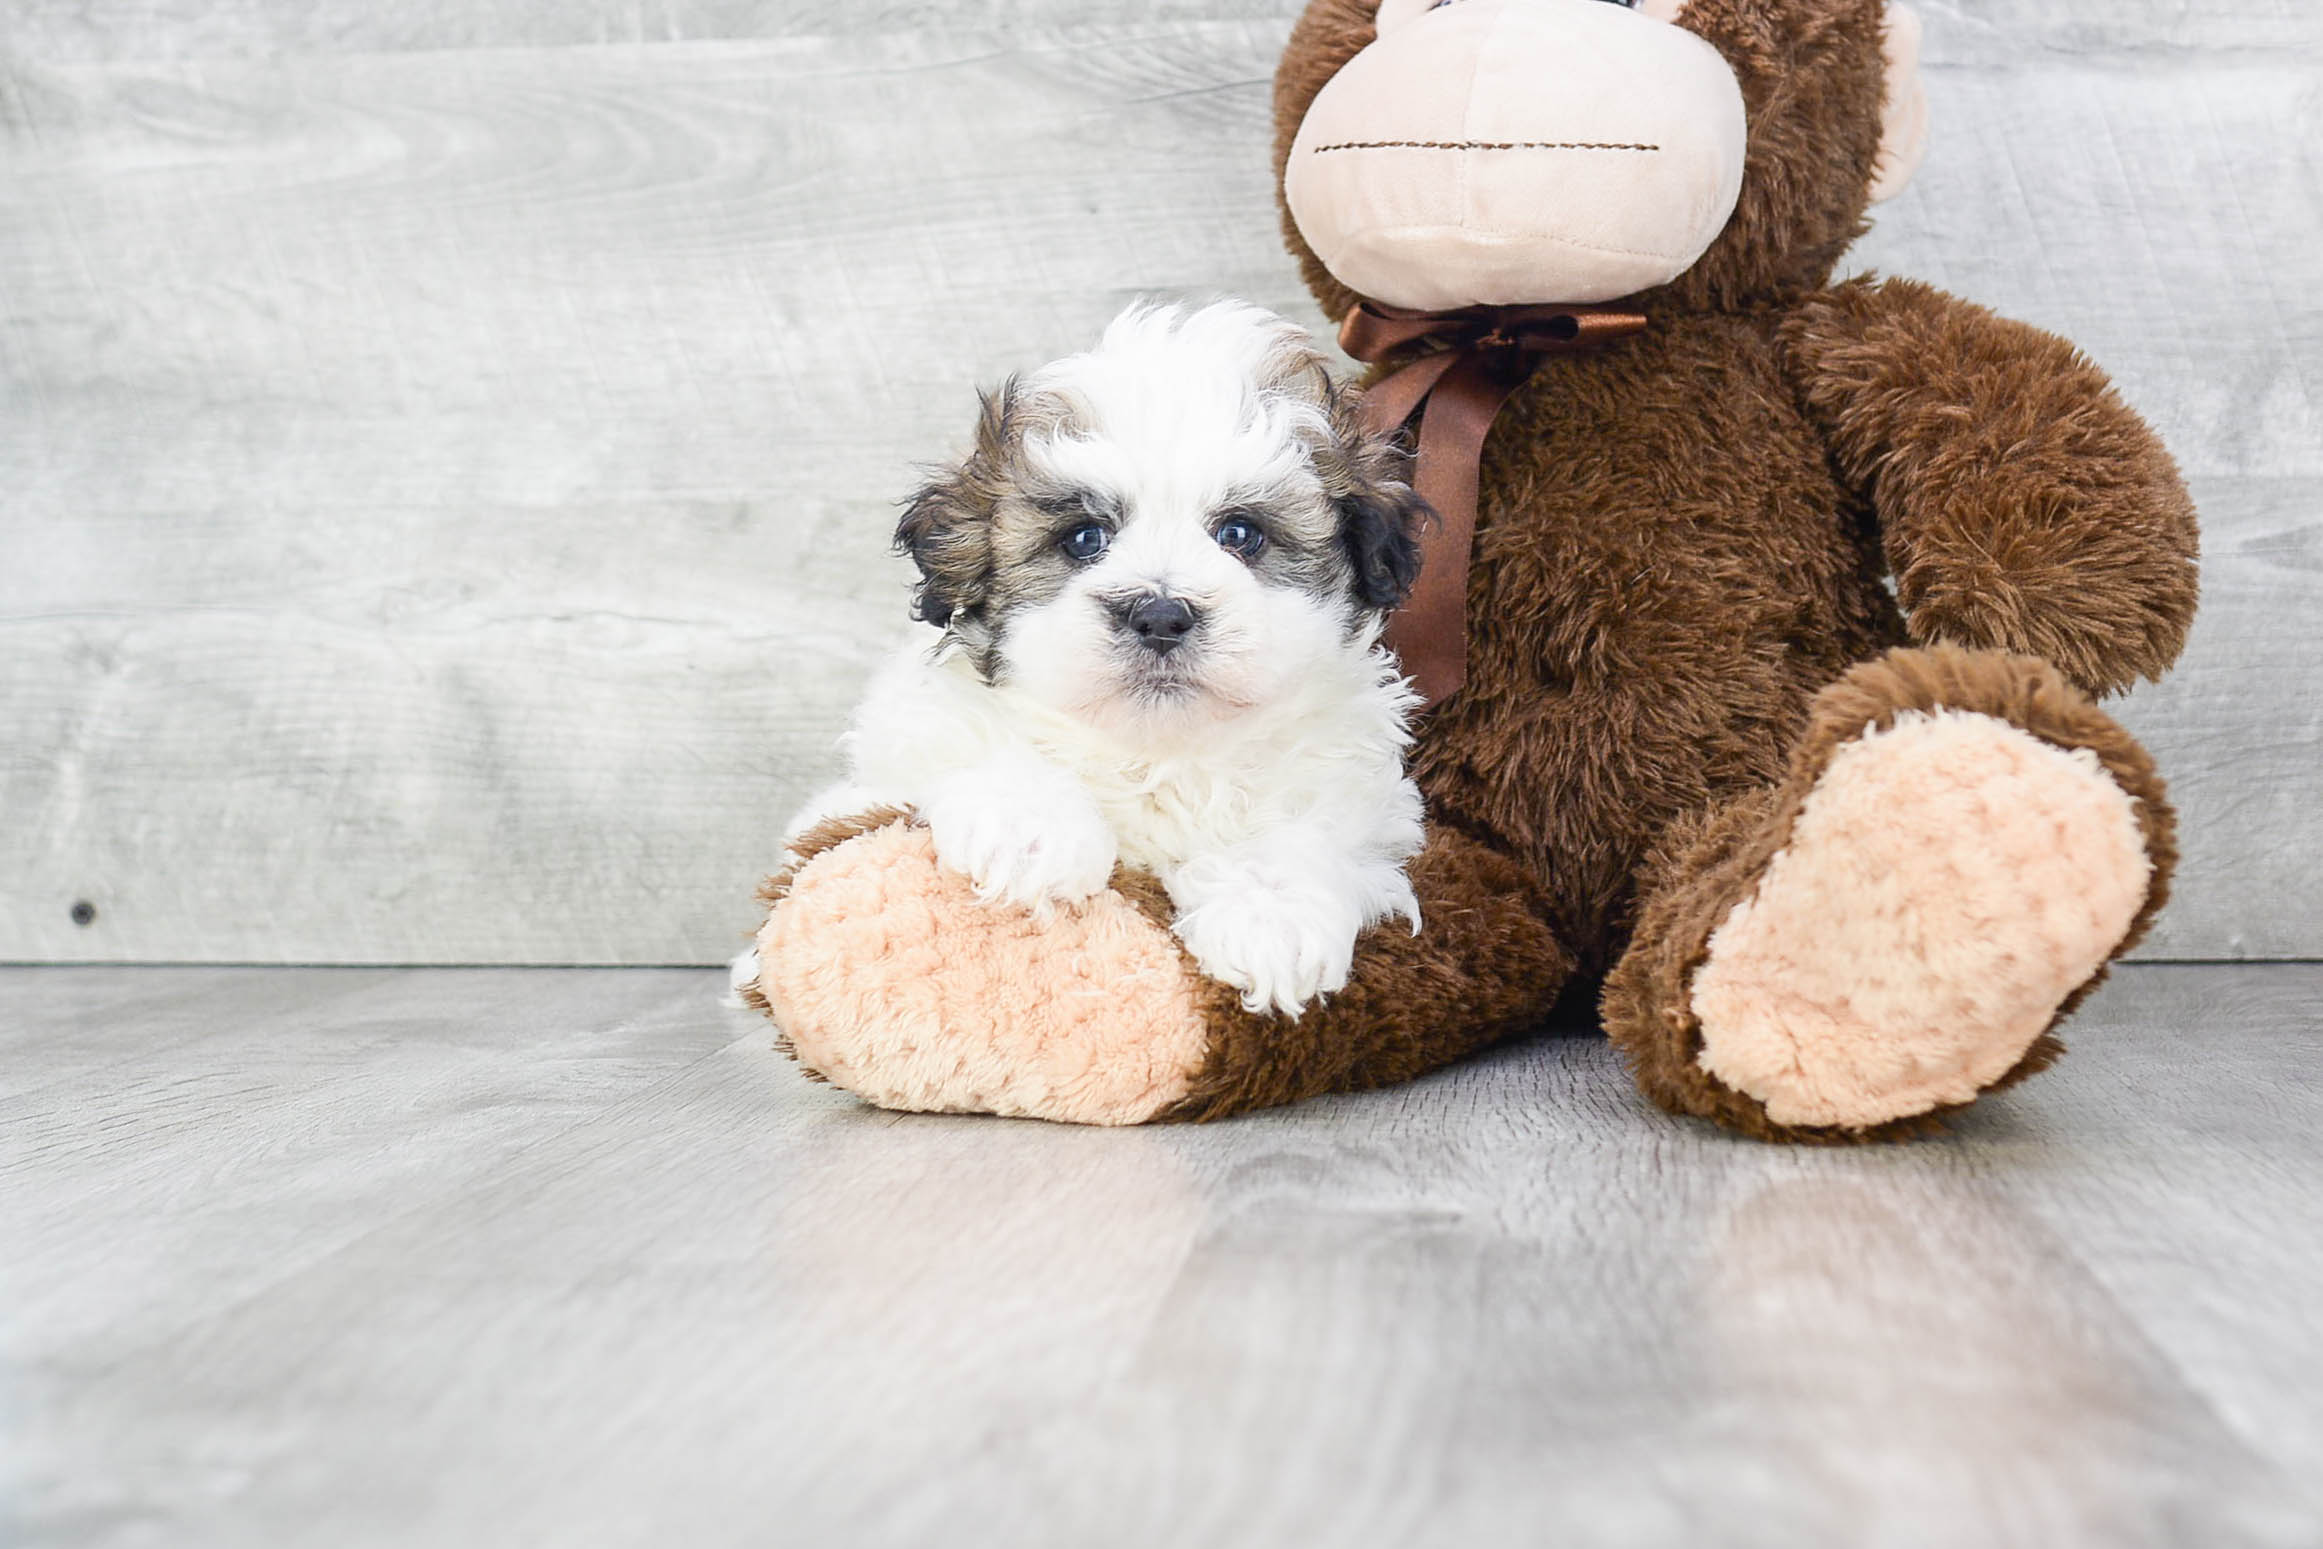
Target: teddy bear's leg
889, 977
1962, 845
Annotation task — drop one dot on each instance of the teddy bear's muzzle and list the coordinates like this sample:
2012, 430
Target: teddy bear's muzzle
1503, 152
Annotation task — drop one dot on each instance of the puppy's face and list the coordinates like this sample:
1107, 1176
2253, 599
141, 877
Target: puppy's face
1178, 525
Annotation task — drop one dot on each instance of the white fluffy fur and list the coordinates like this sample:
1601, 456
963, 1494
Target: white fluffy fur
1258, 771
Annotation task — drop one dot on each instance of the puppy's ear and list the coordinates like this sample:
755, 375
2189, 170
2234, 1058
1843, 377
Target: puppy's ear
1381, 525
1381, 517
947, 525
938, 531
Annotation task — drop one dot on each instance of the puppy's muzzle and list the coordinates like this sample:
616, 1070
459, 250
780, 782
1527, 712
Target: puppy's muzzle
1157, 621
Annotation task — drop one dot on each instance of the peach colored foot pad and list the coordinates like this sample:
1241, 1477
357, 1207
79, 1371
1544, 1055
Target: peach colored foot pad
1948, 883
891, 978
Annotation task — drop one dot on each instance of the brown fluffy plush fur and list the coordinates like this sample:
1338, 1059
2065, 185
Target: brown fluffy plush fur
1486, 967
1684, 540
1679, 606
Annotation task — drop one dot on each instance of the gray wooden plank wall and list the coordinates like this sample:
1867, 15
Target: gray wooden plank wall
447, 449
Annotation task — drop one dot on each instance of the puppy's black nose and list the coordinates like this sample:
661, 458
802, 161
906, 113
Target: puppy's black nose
1160, 623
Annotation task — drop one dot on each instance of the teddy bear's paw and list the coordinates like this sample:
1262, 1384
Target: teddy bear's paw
1948, 883
890, 977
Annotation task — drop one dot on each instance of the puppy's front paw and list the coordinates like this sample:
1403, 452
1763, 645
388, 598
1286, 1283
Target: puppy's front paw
1023, 842
1280, 947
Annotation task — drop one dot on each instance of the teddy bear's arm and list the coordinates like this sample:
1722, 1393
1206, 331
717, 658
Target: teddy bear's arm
2024, 506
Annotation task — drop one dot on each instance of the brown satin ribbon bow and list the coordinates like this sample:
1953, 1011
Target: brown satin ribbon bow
1487, 354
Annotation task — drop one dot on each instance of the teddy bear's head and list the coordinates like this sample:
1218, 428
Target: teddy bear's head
1442, 154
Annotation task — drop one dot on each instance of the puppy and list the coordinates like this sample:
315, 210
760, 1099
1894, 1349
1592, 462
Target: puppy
1150, 604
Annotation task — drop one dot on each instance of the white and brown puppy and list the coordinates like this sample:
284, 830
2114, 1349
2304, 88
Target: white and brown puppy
1151, 600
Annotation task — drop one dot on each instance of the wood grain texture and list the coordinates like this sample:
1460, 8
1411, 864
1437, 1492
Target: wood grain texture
535, 1257
88, 31
445, 464
96, 30
380, 1092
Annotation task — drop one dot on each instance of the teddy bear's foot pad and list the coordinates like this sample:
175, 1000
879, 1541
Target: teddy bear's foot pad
889, 977
1948, 883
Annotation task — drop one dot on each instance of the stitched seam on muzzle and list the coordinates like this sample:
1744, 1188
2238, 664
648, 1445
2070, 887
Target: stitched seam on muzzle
1477, 145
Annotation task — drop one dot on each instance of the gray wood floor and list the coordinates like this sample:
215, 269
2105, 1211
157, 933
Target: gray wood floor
357, 1257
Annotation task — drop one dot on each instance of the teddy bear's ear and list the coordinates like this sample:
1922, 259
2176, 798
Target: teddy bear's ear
1903, 140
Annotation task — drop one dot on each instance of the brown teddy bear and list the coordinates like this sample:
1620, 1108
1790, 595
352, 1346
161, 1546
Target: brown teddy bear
1767, 616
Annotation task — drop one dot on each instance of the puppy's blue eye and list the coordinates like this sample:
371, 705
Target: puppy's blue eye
1240, 537
1086, 541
